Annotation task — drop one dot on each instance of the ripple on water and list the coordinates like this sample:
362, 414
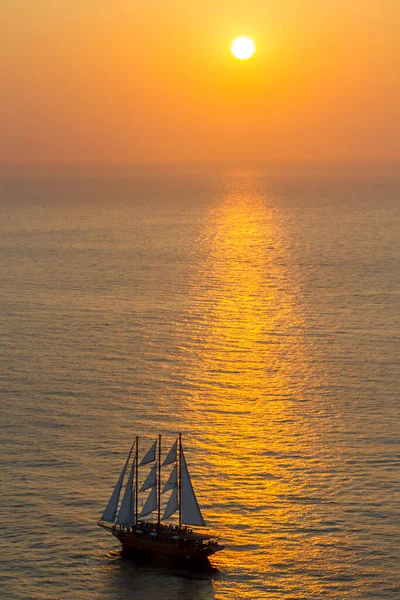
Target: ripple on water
160, 306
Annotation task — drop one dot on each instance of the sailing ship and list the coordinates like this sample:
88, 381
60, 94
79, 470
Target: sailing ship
157, 536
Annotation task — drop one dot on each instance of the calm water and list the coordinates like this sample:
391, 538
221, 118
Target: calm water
259, 316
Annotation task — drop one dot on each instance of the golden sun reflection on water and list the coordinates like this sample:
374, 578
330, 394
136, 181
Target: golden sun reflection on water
247, 367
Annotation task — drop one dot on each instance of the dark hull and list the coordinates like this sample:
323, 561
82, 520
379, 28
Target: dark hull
145, 546
173, 549
197, 564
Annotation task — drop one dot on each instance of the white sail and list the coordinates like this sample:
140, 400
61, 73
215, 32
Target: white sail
150, 456
171, 456
191, 513
111, 509
126, 513
172, 505
172, 480
150, 480
150, 504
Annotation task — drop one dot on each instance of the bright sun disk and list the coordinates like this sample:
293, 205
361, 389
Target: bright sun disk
243, 47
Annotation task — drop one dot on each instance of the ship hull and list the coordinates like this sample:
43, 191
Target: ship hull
143, 546
162, 559
184, 548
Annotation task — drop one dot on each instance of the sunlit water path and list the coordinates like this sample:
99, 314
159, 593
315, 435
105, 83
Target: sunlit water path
259, 317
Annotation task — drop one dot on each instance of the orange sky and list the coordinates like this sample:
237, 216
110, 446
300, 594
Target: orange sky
88, 81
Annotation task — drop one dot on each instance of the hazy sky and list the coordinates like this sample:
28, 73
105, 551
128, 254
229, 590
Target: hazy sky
127, 81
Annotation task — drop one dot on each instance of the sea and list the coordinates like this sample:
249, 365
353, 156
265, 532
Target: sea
256, 312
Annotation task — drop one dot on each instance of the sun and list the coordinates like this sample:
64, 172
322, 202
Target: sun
243, 47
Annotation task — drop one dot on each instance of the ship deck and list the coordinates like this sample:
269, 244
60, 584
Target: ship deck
166, 540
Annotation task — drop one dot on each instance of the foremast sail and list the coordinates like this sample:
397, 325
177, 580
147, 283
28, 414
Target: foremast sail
153, 481
150, 504
126, 515
111, 508
150, 456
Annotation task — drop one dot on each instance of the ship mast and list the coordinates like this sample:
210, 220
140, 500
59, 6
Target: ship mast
180, 480
136, 479
159, 481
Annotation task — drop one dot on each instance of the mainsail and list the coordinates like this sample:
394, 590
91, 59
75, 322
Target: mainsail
150, 504
111, 509
190, 510
191, 513
125, 515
